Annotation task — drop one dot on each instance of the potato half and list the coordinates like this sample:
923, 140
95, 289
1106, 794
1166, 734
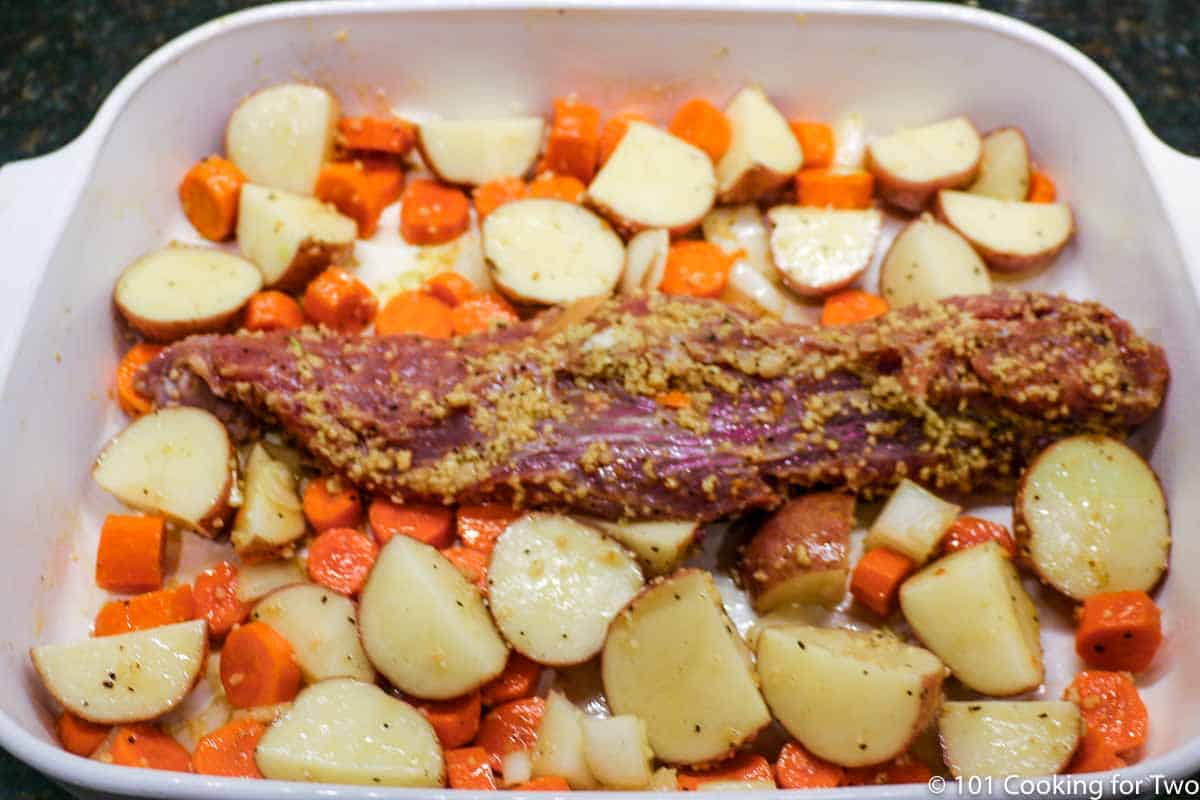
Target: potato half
130, 677
270, 518
821, 250
972, 611
912, 522
617, 751
1011, 235
763, 152
559, 750
424, 627
660, 546
258, 579
645, 261
912, 164
929, 261
346, 731
176, 461
850, 697
291, 238
1003, 166
322, 628
475, 151
1090, 517
181, 290
1000, 738
280, 136
674, 659
551, 251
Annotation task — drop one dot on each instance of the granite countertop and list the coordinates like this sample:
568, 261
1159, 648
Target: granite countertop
58, 60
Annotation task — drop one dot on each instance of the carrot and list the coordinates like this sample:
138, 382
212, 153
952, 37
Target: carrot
826, 189
377, 134
433, 525
215, 596
129, 557
341, 559
133, 402
614, 130
1041, 188
385, 175
1094, 755
454, 721
479, 313
573, 146
674, 399
338, 300
1110, 704
550, 186
143, 745
258, 667
470, 768
471, 563
493, 194
272, 311
209, 195
510, 727
432, 213
519, 679
229, 750
150, 610
1119, 631
79, 736
414, 312
480, 526
742, 767
796, 768
850, 306
450, 287
877, 578
702, 124
546, 783
330, 502
967, 531
816, 142
698, 269
902, 769
350, 189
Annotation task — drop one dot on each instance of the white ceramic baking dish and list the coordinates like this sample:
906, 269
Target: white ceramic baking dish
72, 219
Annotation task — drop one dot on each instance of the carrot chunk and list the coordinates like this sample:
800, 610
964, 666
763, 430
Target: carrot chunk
519, 679
150, 610
546, 783
209, 195
215, 596
340, 301
79, 736
850, 306
700, 123
471, 563
470, 768
796, 768
451, 288
742, 767
385, 175
816, 142
551, 186
1110, 705
432, 213
493, 194
877, 578
433, 525
614, 130
229, 750
144, 745
479, 313
510, 727
330, 502
968, 531
825, 189
902, 769
480, 526
674, 399
415, 312
697, 269
129, 557
133, 402
258, 667
1119, 631
1041, 188
377, 134
573, 146
454, 721
341, 559
1094, 754
350, 188
272, 311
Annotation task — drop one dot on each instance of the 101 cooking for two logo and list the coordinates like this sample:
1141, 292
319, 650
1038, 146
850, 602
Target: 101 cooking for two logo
1092, 788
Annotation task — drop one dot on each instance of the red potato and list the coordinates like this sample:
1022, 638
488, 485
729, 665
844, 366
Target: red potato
473, 152
820, 250
281, 135
912, 164
1004, 167
292, 238
1010, 235
763, 152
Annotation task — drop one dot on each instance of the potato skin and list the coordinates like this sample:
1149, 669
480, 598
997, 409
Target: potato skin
753, 184
628, 228
1008, 263
167, 332
312, 258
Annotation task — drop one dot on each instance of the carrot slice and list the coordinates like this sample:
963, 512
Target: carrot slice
902, 769
150, 610
433, 525
825, 189
386, 177
350, 189
546, 783
614, 130
796, 768
700, 123
258, 667
133, 402
79, 736
674, 399
432, 213
519, 679
414, 312
209, 195
550, 186
479, 313
1041, 188
215, 595
330, 502
1119, 631
229, 750
850, 306
480, 526
451, 288
968, 531
471, 563
341, 559
697, 269
470, 768
742, 767
454, 721
1110, 705
816, 142
510, 727
272, 311
337, 299
129, 557
1094, 755
145, 746
877, 578
493, 194
377, 134
573, 146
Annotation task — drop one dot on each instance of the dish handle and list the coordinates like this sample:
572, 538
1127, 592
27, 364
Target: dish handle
1180, 177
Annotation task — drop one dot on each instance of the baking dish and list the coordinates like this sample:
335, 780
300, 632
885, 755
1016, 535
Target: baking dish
74, 218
